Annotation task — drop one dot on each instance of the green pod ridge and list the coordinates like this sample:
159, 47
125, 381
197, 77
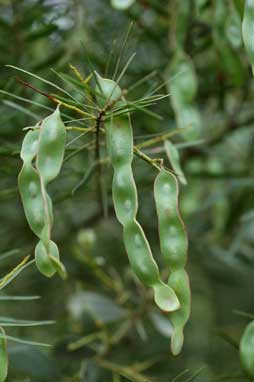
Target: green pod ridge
51, 146
174, 247
247, 351
248, 30
179, 281
3, 357
42, 154
119, 139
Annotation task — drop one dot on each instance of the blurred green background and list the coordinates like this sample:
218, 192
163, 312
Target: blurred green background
123, 337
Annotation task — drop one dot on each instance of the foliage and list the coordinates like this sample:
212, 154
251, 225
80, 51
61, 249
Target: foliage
107, 327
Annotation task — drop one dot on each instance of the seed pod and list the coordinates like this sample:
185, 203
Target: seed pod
30, 190
51, 147
247, 350
43, 258
179, 281
42, 154
174, 246
145, 267
3, 357
172, 234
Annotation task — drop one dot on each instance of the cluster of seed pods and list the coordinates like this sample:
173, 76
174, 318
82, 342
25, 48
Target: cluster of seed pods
175, 296
120, 148
42, 154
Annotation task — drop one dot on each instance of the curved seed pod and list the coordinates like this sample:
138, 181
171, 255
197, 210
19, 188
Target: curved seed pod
248, 30
145, 267
51, 147
30, 185
120, 148
43, 261
174, 247
3, 357
179, 281
45, 147
173, 238
247, 350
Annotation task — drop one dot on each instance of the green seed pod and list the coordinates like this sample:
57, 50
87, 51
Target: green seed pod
30, 185
107, 91
51, 147
248, 30
3, 357
121, 138
124, 195
247, 350
174, 247
30, 146
43, 258
145, 267
30, 190
179, 281
120, 144
173, 238
120, 148
44, 146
